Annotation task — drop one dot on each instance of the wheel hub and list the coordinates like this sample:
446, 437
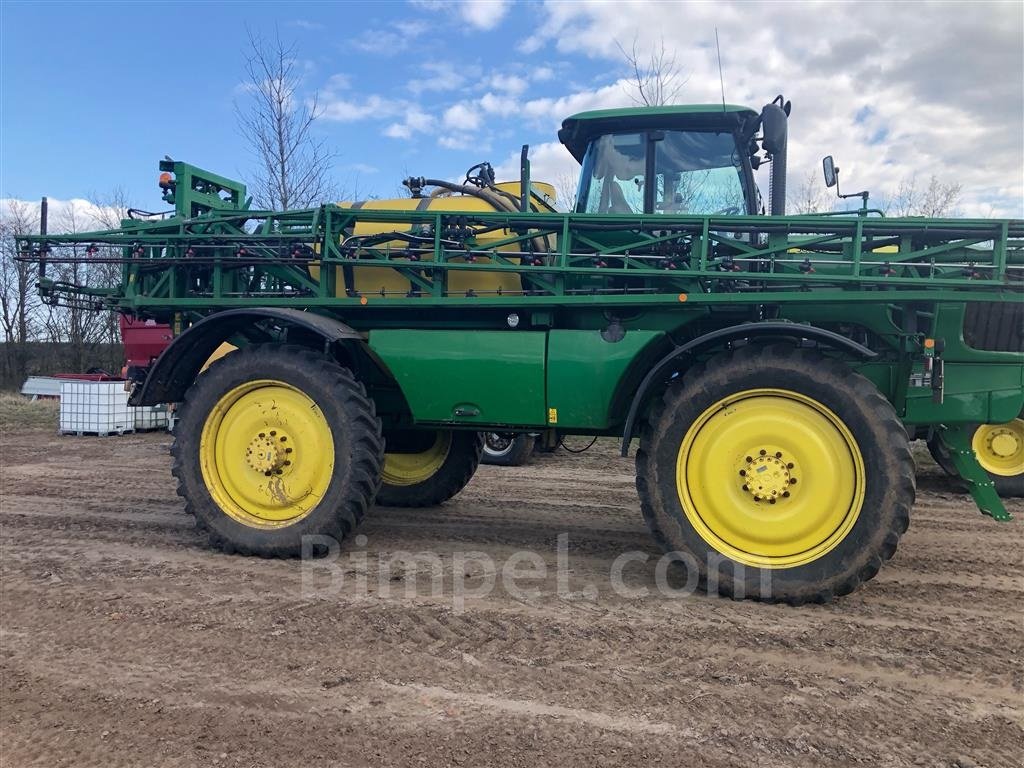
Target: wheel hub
1000, 447
1004, 444
767, 476
497, 442
268, 453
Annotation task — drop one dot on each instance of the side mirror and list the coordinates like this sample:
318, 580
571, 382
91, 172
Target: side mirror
831, 172
773, 128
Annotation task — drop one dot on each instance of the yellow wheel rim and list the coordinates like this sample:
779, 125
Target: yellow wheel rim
266, 454
412, 468
1000, 447
770, 478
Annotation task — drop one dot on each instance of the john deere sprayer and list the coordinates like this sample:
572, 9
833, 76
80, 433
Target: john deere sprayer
769, 367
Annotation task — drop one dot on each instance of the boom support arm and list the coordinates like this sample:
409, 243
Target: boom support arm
957, 439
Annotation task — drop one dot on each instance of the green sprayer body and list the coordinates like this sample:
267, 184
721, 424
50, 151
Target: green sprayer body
474, 316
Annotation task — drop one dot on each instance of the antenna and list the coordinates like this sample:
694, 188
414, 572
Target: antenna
721, 77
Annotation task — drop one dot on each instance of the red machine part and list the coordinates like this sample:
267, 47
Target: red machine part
87, 376
143, 340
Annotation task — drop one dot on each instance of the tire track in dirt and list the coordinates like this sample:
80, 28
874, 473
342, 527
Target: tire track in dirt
115, 614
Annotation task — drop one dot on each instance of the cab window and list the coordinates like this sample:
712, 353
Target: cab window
695, 172
613, 174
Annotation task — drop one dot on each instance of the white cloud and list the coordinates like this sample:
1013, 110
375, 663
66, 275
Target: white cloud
463, 141
416, 121
879, 89
553, 110
387, 41
541, 74
511, 84
479, 14
462, 117
497, 105
398, 131
419, 120
74, 215
364, 168
442, 76
411, 27
549, 162
532, 44
338, 82
353, 110
484, 14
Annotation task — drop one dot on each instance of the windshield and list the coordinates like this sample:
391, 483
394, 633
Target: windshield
694, 172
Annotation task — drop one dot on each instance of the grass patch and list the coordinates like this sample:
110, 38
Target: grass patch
20, 412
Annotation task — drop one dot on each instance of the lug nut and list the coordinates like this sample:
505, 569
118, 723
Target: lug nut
778, 454
790, 465
743, 472
785, 493
764, 452
749, 459
745, 488
792, 481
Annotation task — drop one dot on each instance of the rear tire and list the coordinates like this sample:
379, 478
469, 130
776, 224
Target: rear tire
507, 449
275, 443
777, 473
430, 477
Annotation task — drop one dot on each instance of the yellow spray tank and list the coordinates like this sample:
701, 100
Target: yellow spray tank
483, 197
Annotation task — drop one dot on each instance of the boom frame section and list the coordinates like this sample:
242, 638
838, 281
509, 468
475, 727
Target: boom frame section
230, 259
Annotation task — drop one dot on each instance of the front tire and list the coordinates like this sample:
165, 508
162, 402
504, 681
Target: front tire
1000, 451
777, 474
429, 472
275, 443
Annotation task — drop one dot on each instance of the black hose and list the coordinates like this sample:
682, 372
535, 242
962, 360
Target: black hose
466, 189
495, 201
581, 450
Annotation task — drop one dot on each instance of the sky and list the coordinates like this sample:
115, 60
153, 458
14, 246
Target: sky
93, 94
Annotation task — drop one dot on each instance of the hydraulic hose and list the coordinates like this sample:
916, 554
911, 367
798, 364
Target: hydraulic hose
496, 201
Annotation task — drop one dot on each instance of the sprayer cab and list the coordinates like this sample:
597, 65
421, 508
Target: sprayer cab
700, 158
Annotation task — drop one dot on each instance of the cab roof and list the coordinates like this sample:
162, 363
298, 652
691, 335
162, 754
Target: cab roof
578, 130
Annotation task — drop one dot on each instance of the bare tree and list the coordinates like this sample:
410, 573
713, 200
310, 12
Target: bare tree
937, 199
294, 165
812, 196
19, 301
77, 323
657, 78
566, 189
108, 212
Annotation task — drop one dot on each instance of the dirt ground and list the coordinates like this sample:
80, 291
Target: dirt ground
125, 642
